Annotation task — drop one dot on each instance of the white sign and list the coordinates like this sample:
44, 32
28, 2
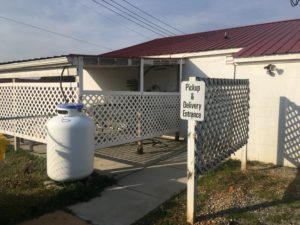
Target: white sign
192, 100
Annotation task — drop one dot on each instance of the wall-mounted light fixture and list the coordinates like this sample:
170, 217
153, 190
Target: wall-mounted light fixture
271, 68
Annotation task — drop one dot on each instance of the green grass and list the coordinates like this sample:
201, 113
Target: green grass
23, 194
262, 195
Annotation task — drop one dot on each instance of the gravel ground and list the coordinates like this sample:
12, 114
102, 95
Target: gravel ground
272, 198
264, 195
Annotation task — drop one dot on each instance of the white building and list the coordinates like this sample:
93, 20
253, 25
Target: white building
266, 54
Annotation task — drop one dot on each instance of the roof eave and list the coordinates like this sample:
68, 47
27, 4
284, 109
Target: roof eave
267, 58
198, 54
37, 63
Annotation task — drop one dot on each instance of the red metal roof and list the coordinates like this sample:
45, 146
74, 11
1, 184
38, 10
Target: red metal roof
256, 40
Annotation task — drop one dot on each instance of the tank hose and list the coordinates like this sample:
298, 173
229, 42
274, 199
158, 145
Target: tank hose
61, 87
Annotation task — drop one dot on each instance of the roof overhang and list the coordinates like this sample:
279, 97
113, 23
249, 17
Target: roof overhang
36, 64
52, 66
127, 62
269, 58
88, 61
198, 54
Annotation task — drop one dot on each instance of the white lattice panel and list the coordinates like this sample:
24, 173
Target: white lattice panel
117, 115
159, 114
6, 108
35, 100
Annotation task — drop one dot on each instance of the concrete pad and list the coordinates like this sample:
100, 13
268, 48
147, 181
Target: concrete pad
38, 148
178, 161
113, 168
136, 194
116, 206
121, 161
159, 181
108, 165
141, 187
58, 217
154, 150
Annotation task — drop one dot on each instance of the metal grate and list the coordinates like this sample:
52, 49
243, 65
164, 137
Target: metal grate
25, 107
155, 150
123, 117
225, 126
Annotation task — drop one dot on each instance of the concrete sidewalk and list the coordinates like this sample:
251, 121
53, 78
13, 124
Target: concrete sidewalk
144, 182
136, 194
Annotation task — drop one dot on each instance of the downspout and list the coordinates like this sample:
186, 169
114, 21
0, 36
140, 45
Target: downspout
244, 150
140, 149
180, 74
179, 77
78, 62
234, 70
142, 75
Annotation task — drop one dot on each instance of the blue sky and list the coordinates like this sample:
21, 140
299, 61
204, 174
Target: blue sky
88, 21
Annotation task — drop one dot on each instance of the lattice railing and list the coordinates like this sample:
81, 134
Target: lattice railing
25, 107
123, 117
120, 117
226, 120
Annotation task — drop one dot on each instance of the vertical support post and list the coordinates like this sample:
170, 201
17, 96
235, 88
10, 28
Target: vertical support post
191, 181
191, 175
180, 74
16, 143
16, 139
31, 144
140, 149
79, 78
142, 76
177, 134
244, 158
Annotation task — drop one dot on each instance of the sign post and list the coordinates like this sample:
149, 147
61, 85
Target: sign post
192, 109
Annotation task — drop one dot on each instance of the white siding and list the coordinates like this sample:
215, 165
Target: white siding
267, 131
165, 77
267, 121
115, 78
211, 66
108, 79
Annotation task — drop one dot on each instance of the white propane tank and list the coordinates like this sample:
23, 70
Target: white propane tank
70, 144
